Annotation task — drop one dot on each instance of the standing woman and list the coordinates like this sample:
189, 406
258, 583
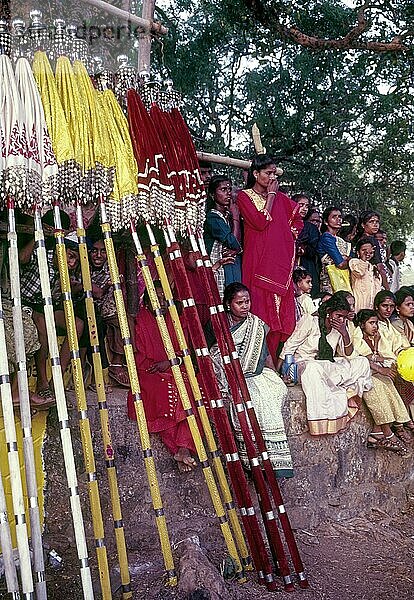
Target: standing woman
222, 232
369, 224
307, 243
271, 224
332, 249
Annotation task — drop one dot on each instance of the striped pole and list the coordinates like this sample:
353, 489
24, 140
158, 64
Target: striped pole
108, 449
268, 515
257, 432
25, 415
7, 548
62, 410
139, 407
14, 467
219, 413
186, 403
201, 409
84, 424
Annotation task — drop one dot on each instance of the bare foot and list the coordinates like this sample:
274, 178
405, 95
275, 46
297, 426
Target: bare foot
185, 461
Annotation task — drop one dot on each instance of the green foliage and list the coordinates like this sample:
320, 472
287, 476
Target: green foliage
340, 123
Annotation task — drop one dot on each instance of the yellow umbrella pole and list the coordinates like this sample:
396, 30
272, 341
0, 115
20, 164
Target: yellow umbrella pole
84, 425
211, 442
103, 410
25, 415
139, 408
185, 400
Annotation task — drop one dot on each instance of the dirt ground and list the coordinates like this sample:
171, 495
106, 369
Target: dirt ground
358, 559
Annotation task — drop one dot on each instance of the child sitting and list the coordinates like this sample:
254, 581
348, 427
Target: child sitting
365, 278
383, 401
303, 285
103, 294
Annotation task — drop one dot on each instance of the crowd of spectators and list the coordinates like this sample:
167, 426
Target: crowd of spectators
317, 289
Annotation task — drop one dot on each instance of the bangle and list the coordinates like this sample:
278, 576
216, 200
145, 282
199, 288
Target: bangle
347, 345
266, 214
268, 193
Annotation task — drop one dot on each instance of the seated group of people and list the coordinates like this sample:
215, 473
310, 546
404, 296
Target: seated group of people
36, 340
344, 343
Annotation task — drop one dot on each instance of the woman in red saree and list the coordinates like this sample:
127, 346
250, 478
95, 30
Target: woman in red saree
271, 224
162, 404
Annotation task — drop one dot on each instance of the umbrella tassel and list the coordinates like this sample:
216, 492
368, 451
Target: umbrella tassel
84, 424
186, 404
139, 408
222, 424
103, 411
25, 415
211, 442
65, 433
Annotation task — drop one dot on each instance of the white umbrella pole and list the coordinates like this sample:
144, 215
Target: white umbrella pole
25, 415
14, 466
7, 548
62, 410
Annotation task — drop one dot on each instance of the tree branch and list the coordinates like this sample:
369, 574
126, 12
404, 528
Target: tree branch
270, 18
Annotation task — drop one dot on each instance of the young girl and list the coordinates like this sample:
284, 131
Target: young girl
405, 312
365, 278
390, 345
303, 286
383, 401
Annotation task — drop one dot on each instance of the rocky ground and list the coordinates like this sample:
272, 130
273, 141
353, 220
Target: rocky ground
358, 560
355, 532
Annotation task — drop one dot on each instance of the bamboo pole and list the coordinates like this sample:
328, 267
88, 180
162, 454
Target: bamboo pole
65, 433
220, 331
139, 408
237, 380
219, 414
84, 424
7, 548
231, 162
186, 404
103, 411
14, 467
201, 409
25, 415
145, 24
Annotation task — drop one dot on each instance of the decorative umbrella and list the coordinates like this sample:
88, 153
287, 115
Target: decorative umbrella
155, 191
121, 204
15, 176
79, 128
57, 125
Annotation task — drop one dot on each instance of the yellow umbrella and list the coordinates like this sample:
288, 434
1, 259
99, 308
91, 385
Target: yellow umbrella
69, 170
79, 127
122, 203
102, 148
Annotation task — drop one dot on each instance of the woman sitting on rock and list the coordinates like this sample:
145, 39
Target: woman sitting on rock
332, 374
392, 342
383, 401
267, 390
162, 404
